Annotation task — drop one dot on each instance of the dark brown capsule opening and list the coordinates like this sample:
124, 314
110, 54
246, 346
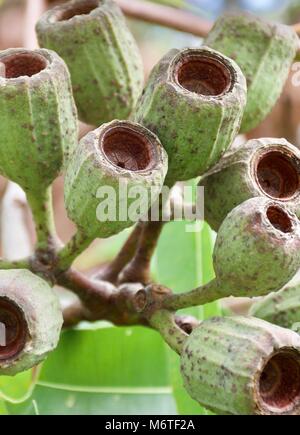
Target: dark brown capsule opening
22, 64
80, 8
278, 175
203, 75
279, 219
279, 383
128, 149
13, 330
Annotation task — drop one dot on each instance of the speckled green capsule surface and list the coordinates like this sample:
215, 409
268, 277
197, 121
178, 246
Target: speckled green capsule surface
262, 167
194, 102
102, 56
264, 51
281, 308
257, 248
113, 164
243, 366
38, 118
30, 321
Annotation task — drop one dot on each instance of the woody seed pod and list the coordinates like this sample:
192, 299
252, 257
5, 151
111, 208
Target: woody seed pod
257, 248
122, 158
194, 102
281, 308
243, 366
30, 321
262, 167
38, 122
102, 56
264, 51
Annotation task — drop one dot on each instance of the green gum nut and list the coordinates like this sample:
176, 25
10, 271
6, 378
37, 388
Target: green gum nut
121, 162
243, 366
264, 51
105, 64
281, 308
30, 321
257, 248
194, 102
38, 118
261, 167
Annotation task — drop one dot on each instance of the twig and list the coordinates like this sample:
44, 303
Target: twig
68, 254
138, 270
42, 211
94, 295
202, 295
73, 314
99, 301
112, 270
165, 16
164, 322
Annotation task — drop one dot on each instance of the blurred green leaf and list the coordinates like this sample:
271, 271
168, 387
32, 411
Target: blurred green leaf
3, 410
106, 371
17, 388
184, 261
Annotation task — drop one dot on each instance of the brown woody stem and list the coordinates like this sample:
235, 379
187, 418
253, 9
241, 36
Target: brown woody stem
167, 16
112, 270
95, 296
138, 270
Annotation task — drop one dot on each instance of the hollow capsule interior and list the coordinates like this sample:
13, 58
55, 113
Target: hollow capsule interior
13, 330
203, 74
128, 149
279, 382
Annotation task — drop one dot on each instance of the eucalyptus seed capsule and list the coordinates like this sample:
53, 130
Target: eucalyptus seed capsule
257, 248
264, 51
194, 102
243, 366
114, 166
262, 167
38, 118
105, 64
281, 308
30, 321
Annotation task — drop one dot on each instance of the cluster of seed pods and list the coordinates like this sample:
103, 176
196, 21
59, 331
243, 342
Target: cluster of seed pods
182, 126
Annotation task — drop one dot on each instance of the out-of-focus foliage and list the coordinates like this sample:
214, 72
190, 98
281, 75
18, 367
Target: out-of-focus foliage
101, 369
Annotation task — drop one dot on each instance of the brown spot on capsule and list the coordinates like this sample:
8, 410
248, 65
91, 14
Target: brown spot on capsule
203, 75
279, 219
22, 64
279, 382
278, 174
128, 149
79, 8
14, 331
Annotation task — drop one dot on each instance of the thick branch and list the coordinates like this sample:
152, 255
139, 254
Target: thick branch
94, 295
102, 301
